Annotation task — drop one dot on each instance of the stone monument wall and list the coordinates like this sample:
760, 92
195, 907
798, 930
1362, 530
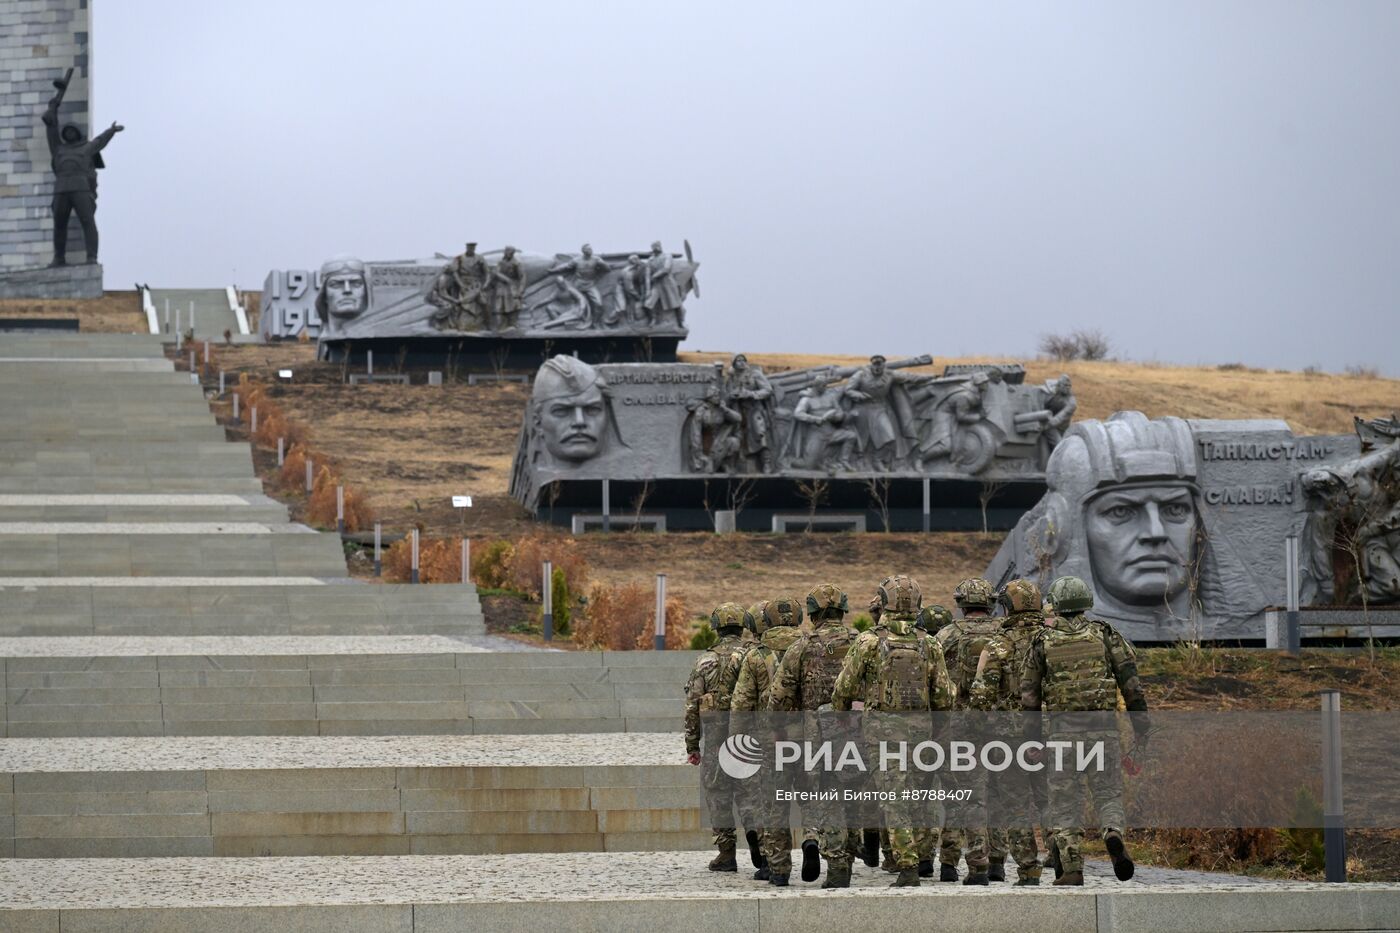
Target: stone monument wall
39, 41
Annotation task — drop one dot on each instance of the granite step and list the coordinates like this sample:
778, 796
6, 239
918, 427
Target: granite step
347, 795
272, 550
131, 485
296, 605
212, 314
616, 892
115, 457
404, 685
139, 508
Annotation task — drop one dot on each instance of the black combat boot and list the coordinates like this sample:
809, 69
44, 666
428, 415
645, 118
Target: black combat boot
996, 871
1023, 881
837, 876
1123, 866
1071, 879
976, 876
755, 856
724, 861
947, 872
778, 881
908, 878
871, 855
811, 860
926, 869
762, 874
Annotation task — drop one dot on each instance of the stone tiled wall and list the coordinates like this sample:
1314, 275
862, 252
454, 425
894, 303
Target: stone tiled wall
39, 41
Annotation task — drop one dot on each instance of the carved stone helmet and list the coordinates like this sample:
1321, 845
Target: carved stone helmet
783, 611
729, 616
933, 618
900, 594
757, 621
826, 596
975, 593
1069, 594
1021, 595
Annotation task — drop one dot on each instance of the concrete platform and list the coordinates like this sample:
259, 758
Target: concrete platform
635, 891
131, 485
365, 685
236, 796
261, 605
197, 554
125, 458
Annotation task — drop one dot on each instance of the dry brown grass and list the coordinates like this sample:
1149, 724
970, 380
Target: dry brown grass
116, 312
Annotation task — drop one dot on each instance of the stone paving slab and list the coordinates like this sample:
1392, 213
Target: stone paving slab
127, 485
637, 751
259, 646
636, 891
150, 528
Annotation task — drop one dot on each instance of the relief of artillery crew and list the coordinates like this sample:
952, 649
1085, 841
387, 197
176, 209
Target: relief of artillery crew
583, 292
872, 418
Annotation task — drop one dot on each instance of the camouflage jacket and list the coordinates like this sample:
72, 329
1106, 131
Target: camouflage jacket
860, 671
807, 673
998, 682
760, 664
1124, 658
711, 684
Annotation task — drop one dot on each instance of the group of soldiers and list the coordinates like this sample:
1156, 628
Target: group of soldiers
1039, 655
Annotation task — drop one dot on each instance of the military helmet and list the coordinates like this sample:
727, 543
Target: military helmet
1069, 594
899, 593
1021, 595
730, 615
757, 622
783, 611
974, 593
826, 596
933, 618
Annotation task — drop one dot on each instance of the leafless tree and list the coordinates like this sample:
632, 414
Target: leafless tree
986, 492
814, 491
741, 493
639, 503
879, 489
1093, 344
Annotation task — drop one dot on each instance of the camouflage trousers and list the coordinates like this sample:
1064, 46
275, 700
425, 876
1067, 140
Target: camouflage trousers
1069, 800
911, 837
774, 816
981, 845
722, 794
1011, 803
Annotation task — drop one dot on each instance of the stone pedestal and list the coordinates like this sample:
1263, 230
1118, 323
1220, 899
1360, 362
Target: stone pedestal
71, 281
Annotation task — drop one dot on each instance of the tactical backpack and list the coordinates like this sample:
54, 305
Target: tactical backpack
728, 658
1078, 675
971, 637
901, 679
823, 653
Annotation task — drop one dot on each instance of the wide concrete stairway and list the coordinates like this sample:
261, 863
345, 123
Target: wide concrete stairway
187, 673
212, 315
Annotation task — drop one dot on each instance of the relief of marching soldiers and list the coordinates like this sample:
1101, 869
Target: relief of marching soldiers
876, 418
1004, 649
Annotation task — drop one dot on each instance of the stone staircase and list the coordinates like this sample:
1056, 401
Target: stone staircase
212, 315
185, 672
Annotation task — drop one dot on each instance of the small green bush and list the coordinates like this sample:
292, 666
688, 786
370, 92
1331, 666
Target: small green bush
862, 622
491, 565
704, 636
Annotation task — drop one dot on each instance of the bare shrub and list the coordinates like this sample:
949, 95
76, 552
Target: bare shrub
1357, 371
439, 560
1093, 344
1059, 347
321, 507
622, 618
529, 554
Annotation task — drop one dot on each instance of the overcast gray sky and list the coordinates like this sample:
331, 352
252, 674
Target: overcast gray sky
1204, 181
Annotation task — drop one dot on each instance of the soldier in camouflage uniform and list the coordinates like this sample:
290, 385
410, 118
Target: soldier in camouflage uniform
707, 700
1011, 794
932, 619
896, 670
756, 673
962, 643
804, 681
1082, 664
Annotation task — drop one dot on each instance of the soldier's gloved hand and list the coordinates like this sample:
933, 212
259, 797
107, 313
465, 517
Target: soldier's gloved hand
693, 758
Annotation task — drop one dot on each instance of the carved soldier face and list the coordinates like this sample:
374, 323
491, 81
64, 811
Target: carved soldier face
574, 425
1062, 386
71, 135
1141, 542
346, 294
587, 251
740, 363
471, 249
877, 366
